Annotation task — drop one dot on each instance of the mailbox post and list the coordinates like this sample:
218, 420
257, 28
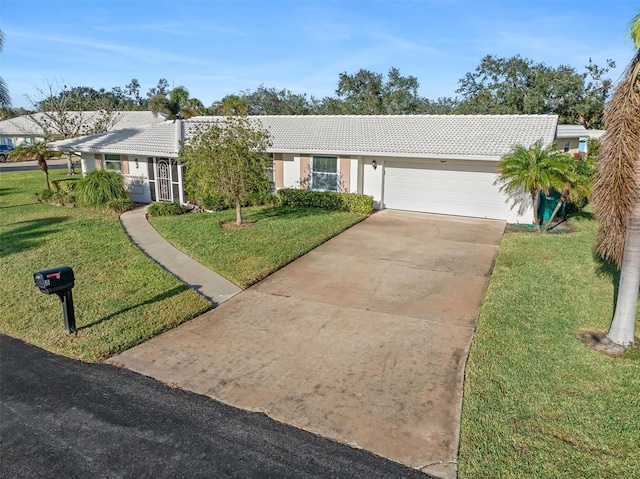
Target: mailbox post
59, 281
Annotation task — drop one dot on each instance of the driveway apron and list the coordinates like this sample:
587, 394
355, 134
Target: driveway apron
363, 340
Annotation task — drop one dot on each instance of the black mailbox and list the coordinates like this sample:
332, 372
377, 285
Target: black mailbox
54, 280
59, 281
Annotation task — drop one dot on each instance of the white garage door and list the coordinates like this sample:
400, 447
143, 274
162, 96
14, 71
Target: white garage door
450, 188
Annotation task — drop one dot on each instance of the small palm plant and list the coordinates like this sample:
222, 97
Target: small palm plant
37, 151
533, 170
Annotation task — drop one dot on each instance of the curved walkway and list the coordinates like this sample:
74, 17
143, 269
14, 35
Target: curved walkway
206, 282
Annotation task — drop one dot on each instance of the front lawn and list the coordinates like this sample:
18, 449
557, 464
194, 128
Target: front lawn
121, 297
248, 255
537, 401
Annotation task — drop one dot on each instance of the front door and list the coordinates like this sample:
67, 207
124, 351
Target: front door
163, 177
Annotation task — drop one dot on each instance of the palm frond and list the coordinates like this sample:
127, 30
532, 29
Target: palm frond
615, 189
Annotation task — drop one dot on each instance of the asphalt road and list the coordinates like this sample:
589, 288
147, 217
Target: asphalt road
66, 418
54, 164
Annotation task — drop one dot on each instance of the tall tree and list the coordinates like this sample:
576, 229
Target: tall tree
227, 159
534, 169
518, 85
368, 93
176, 105
271, 101
230, 105
616, 193
5, 98
69, 112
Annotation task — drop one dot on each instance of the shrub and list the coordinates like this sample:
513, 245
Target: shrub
98, 188
166, 208
214, 203
119, 205
352, 202
45, 196
65, 185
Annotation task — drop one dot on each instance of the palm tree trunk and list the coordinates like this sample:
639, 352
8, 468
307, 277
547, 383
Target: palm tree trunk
534, 201
46, 178
238, 213
621, 331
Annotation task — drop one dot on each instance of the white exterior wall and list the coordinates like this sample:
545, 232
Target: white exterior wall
136, 181
291, 171
353, 175
372, 180
87, 162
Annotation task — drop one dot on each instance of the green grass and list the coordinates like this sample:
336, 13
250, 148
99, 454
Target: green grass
121, 297
248, 255
537, 401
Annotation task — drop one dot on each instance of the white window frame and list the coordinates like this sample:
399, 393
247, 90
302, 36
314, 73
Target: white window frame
112, 160
313, 184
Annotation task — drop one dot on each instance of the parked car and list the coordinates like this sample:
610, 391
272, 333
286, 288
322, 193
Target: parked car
4, 152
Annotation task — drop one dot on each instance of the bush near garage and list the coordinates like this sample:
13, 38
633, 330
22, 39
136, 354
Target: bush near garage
326, 200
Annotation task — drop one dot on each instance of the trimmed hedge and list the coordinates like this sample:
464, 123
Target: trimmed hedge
165, 208
326, 200
65, 185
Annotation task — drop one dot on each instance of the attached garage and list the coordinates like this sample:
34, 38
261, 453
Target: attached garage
450, 187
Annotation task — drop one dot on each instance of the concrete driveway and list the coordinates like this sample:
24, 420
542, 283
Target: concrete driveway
363, 340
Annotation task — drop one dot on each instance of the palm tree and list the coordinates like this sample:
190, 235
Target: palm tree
616, 194
578, 185
5, 99
177, 106
533, 170
230, 105
38, 151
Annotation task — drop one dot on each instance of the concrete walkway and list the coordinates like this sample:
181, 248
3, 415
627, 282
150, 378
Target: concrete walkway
209, 284
363, 340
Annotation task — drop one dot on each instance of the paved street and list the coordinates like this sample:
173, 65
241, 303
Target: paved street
63, 418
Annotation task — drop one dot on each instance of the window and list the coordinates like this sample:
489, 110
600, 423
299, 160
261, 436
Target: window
324, 173
567, 146
112, 163
582, 146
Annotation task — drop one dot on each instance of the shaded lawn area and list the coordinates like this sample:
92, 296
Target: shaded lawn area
121, 297
537, 401
247, 255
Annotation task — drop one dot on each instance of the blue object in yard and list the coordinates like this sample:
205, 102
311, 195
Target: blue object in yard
547, 202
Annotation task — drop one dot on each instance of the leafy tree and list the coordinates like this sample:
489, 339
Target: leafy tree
367, 93
616, 194
227, 159
37, 150
5, 99
271, 101
177, 105
517, 85
533, 170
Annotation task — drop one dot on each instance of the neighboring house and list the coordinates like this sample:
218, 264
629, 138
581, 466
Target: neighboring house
27, 129
573, 138
445, 164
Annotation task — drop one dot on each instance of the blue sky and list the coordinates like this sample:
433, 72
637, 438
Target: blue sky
219, 47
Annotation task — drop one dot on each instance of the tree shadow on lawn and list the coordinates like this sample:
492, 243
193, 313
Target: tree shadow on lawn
25, 235
155, 299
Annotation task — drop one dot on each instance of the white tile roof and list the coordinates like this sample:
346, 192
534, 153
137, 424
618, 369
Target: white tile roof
439, 136
36, 125
577, 131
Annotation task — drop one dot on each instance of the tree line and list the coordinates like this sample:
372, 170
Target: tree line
513, 85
